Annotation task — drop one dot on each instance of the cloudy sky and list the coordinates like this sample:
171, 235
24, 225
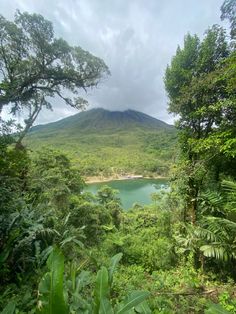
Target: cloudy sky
136, 39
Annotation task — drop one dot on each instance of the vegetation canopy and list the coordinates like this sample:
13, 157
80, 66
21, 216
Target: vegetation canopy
60, 246
36, 66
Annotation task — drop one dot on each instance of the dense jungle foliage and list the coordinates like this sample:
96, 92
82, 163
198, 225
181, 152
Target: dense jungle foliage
63, 250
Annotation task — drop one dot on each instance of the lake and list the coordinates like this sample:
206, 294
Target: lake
132, 191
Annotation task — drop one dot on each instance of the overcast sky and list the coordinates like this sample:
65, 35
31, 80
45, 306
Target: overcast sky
136, 39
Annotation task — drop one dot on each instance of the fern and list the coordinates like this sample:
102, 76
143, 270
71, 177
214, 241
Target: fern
218, 232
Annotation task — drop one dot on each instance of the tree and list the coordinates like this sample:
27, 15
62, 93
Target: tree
228, 11
199, 83
108, 198
106, 195
35, 66
53, 180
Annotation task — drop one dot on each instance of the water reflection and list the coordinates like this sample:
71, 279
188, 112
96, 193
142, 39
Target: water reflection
133, 191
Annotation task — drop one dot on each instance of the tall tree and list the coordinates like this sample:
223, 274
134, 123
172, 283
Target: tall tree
36, 66
228, 11
197, 85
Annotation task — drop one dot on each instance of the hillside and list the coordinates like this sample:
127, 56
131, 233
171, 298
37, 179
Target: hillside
100, 119
107, 142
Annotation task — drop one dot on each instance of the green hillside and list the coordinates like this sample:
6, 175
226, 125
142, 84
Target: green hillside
110, 142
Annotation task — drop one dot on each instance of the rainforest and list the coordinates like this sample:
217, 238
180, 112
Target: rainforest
66, 247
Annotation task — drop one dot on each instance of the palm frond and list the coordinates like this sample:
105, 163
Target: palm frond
218, 251
229, 186
219, 225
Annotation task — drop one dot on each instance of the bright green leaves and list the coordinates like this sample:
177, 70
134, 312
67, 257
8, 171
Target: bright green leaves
215, 250
102, 291
103, 285
103, 304
132, 301
114, 262
143, 308
51, 292
102, 294
105, 307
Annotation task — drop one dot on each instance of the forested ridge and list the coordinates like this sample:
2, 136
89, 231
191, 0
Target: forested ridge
64, 250
100, 142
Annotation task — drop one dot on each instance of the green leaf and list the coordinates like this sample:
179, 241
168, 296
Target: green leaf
215, 250
105, 307
80, 244
10, 308
216, 309
82, 280
101, 288
131, 301
45, 284
51, 286
67, 240
143, 308
114, 262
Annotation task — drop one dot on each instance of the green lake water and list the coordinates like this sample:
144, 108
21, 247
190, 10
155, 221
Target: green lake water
132, 191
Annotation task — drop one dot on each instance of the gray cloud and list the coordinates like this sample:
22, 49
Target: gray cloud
135, 38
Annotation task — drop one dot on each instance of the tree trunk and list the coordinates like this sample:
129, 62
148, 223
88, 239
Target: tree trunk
29, 123
192, 200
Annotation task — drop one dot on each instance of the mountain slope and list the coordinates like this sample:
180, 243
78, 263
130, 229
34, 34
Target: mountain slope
100, 119
110, 142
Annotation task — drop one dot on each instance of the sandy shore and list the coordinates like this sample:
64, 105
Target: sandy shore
99, 179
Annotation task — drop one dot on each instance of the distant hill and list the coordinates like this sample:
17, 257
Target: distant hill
105, 142
101, 120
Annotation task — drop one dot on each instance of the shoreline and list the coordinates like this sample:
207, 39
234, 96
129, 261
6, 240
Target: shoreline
100, 179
